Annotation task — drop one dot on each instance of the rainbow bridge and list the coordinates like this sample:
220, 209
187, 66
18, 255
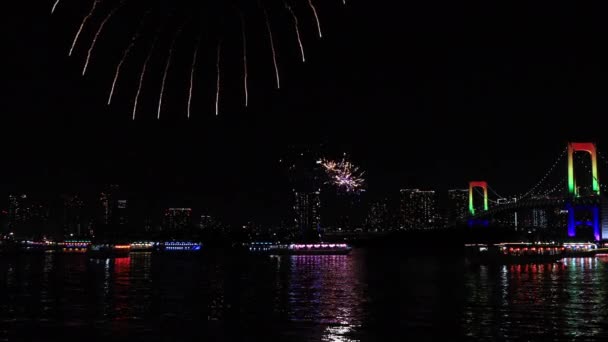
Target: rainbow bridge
572, 206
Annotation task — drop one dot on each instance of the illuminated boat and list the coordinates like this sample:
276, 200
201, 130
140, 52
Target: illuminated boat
106, 250
514, 253
142, 246
179, 246
29, 246
73, 246
580, 249
320, 248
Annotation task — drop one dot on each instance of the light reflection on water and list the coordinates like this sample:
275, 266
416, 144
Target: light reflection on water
327, 290
559, 301
369, 295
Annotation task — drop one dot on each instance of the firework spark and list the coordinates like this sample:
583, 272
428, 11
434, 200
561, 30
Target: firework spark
217, 85
314, 11
295, 23
55, 6
103, 17
343, 174
166, 72
82, 25
125, 55
192, 71
97, 34
142, 76
245, 69
274, 53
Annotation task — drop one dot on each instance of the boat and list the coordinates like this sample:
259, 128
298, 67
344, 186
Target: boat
106, 250
142, 246
73, 246
178, 246
319, 248
580, 249
29, 246
514, 253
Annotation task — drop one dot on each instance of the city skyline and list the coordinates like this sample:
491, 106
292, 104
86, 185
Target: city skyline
419, 115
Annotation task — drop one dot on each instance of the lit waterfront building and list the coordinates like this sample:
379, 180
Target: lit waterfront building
177, 219
419, 209
73, 220
458, 206
539, 218
378, 218
307, 210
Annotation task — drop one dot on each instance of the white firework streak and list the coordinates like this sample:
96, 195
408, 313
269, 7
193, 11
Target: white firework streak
245, 70
274, 54
193, 68
314, 11
295, 22
97, 34
164, 82
125, 55
55, 6
84, 22
217, 92
142, 76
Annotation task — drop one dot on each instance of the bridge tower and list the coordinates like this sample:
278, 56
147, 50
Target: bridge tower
484, 186
585, 147
573, 204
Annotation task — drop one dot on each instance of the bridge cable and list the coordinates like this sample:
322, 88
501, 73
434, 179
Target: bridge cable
495, 193
481, 194
559, 158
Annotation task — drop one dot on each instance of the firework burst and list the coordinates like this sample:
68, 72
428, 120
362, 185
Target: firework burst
343, 174
165, 38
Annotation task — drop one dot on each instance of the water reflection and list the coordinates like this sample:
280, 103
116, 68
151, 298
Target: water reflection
367, 295
327, 290
538, 301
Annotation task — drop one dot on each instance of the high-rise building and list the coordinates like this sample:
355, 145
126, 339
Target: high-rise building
113, 208
16, 210
206, 223
307, 209
26, 217
177, 219
539, 218
419, 209
73, 218
121, 216
378, 219
458, 206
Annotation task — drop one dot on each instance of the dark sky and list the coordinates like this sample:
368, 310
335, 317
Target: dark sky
420, 94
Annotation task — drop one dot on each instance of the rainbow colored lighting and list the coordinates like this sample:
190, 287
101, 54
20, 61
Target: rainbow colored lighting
585, 147
573, 223
484, 186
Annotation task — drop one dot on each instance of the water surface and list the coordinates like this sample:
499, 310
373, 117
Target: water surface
369, 295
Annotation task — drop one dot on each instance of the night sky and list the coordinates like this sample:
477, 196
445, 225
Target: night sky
419, 94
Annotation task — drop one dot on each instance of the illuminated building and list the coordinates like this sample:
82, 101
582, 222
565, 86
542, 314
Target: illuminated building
113, 208
539, 218
73, 221
26, 217
207, 223
121, 216
378, 218
16, 210
419, 209
458, 210
177, 219
307, 207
